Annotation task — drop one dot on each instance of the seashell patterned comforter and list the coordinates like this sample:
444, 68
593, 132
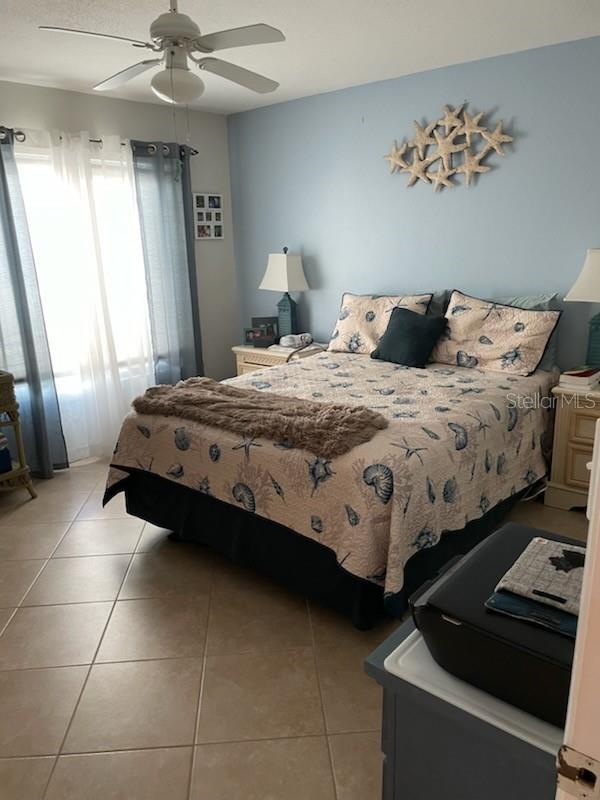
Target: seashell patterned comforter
460, 441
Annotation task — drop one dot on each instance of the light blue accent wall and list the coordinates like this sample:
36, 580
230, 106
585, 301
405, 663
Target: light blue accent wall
310, 174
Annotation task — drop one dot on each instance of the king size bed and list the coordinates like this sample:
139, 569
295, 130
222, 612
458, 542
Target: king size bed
359, 531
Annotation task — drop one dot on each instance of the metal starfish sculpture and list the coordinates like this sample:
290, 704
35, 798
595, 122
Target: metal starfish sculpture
445, 146
472, 165
451, 118
417, 169
455, 133
395, 157
495, 139
441, 178
471, 125
422, 138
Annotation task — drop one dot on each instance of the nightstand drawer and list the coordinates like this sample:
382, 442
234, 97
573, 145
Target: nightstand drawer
577, 473
576, 416
253, 364
583, 425
260, 361
249, 359
245, 367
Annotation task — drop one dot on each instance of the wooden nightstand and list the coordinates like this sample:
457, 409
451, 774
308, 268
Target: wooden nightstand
249, 358
574, 428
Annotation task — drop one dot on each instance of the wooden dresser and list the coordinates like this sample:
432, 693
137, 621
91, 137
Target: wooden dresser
575, 423
249, 358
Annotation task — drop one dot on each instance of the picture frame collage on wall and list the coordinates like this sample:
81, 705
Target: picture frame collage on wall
208, 216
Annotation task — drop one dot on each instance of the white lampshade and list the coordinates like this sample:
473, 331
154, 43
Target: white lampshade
586, 288
284, 273
177, 86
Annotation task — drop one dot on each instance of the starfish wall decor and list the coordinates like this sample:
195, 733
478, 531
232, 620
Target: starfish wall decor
451, 143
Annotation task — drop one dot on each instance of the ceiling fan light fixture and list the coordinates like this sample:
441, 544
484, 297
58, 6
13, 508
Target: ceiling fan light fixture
177, 86
177, 38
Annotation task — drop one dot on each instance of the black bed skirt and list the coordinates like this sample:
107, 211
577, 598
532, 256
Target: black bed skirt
301, 564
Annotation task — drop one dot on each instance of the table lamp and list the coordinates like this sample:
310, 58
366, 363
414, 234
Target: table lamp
586, 289
284, 273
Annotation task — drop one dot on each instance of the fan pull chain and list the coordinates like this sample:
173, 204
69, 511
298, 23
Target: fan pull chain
177, 174
188, 133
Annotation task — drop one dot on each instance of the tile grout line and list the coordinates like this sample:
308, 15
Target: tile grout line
46, 560
41, 569
182, 746
48, 521
85, 681
58, 544
95, 555
9, 620
327, 742
201, 691
95, 660
54, 549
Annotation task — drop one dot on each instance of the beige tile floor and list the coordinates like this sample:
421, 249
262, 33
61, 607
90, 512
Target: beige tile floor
135, 668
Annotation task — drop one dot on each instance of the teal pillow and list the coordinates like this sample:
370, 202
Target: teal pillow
409, 338
539, 302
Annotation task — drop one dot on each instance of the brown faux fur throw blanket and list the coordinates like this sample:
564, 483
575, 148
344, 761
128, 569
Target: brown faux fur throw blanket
325, 429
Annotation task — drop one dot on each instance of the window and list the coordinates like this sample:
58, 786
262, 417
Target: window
84, 226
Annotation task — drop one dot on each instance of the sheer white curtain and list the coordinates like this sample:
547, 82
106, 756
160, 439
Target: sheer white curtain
81, 209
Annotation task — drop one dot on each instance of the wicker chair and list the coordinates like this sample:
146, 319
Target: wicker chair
18, 477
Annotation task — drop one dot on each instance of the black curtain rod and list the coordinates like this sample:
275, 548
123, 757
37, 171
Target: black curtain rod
20, 137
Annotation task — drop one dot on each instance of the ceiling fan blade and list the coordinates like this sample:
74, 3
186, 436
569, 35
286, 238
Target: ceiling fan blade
126, 75
239, 37
251, 80
136, 42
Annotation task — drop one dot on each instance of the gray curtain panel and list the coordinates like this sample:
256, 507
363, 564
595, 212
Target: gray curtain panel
163, 186
23, 343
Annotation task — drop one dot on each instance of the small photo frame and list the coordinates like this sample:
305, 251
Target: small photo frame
208, 210
251, 334
268, 326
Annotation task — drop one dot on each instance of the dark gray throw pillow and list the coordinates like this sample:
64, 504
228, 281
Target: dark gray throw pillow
409, 338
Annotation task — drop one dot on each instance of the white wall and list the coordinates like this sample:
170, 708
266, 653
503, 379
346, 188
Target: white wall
37, 107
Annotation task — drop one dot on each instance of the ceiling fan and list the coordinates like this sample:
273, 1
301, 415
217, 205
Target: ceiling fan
177, 37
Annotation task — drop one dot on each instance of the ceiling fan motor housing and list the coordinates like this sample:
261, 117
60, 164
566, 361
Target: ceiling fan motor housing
173, 28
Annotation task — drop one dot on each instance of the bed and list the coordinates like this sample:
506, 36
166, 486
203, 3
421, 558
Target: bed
360, 531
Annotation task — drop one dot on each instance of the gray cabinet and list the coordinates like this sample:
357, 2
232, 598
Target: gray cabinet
442, 738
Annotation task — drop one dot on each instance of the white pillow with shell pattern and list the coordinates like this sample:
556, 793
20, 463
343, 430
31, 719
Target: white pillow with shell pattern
493, 336
363, 319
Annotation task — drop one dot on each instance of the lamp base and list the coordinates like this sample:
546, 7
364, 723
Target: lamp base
593, 351
288, 317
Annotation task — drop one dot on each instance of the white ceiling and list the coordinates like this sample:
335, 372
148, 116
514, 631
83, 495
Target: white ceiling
330, 44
